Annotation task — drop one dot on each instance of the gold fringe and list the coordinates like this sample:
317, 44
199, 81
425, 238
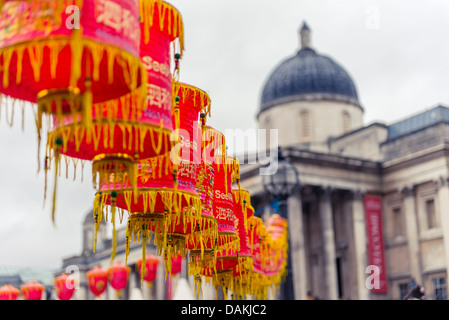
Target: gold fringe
201, 99
75, 133
150, 8
131, 66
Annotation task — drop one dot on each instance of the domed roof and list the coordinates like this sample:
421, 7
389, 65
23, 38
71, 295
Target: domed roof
308, 76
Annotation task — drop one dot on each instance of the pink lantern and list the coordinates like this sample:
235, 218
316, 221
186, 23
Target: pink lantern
32, 290
65, 286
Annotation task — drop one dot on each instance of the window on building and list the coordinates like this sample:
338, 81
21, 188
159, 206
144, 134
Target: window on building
398, 228
430, 213
439, 289
304, 124
346, 121
403, 289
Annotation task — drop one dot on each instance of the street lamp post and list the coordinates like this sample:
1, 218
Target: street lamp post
281, 185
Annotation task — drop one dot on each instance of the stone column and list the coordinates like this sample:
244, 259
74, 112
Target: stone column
443, 198
412, 232
327, 227
297, 246
360, 243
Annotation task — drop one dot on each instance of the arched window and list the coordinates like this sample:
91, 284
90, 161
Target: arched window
346, 121
304, 125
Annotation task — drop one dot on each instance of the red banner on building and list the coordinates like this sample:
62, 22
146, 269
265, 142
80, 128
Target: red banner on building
378, 277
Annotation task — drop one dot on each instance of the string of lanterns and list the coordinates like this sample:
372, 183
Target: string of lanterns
108, 92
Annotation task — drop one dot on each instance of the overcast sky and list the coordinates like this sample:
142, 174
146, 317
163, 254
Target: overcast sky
397, 53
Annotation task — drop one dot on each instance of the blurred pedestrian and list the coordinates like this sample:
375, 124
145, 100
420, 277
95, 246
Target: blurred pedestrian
310, 295
416, 293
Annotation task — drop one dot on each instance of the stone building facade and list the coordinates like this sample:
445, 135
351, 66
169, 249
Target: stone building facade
313, 103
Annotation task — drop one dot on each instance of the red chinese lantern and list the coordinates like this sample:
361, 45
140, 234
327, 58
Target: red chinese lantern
226, 171
46, 57
32, 290
276, 227
233, 268
176, 264
98, 280
65, 286
243, 269
8, 292
168, 204
147, 268
131, 138
173, 267
225, 174
257, 235
184, 221
203, 251
118, 275
66, 55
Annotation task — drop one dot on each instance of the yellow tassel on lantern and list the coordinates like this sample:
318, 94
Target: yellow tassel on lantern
87, 105
58, 143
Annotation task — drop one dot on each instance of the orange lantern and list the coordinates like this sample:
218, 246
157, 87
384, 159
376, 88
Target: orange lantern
120, 167
98, 280
118, 275
65, 286
32, 290
8, 292
147, 268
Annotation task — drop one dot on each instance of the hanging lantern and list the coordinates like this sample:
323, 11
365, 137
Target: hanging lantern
184, 222
234, 267
243, 269
168, 204
32, 290
120, 134
67, 60
202, 252
8, 292
118, 275
98, 280
257, 235
172, 268
225, 174
226, 171
146, 144
276, 227
176, 264
147, 268
65, 286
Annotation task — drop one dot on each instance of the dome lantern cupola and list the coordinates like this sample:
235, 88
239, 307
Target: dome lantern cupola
304, 33
308, 76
